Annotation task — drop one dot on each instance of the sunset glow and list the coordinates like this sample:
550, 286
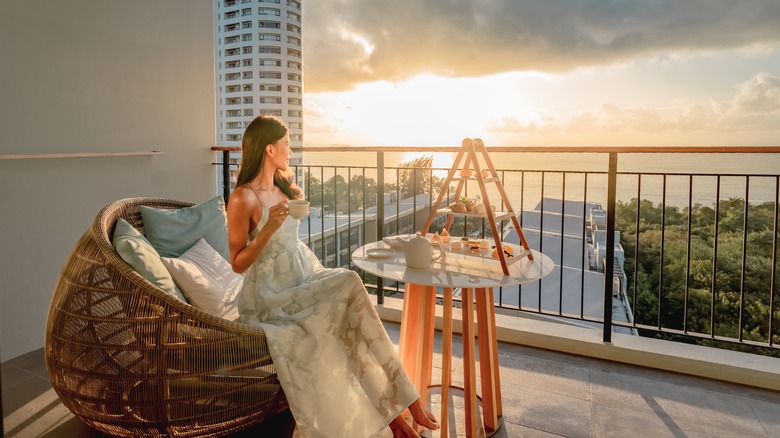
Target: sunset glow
379, 77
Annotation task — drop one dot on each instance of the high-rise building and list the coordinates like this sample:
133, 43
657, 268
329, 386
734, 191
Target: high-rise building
259, 66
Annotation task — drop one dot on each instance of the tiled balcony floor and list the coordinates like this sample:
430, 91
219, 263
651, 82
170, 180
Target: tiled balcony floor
545, 394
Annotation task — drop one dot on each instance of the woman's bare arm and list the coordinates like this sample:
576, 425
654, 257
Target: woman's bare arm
241, 208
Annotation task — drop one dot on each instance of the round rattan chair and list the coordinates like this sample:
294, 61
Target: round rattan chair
132, 361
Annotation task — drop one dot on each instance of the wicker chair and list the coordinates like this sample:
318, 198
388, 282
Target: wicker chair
132, 361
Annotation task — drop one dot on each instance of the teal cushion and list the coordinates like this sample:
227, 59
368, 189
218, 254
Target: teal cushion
173, 232
133, 247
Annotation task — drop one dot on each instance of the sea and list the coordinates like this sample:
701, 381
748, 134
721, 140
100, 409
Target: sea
674, 179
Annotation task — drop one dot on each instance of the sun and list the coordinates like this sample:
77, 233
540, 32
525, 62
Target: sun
426, 110
423, 111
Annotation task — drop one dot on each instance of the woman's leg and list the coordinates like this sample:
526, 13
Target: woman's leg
402, 429
422, 416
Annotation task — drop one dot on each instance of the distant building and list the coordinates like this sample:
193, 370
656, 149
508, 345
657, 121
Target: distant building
259, 68
334, 236
573, 235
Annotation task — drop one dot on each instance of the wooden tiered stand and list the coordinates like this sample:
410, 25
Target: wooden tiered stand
469, 153
416, 344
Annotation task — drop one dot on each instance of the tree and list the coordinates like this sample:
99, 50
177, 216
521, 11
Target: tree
415, 177
732, 304
335, 194
312, 187
362, 192
352, 196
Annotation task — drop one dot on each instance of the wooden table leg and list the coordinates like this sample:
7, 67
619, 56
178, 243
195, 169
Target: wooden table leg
492, 309
469, 363
446, 361
428, 316
408, 343
415, 346
488, 358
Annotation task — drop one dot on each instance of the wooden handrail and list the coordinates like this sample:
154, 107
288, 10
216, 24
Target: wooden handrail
78, 155
542, 149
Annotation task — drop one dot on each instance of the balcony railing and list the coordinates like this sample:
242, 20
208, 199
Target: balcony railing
673, 253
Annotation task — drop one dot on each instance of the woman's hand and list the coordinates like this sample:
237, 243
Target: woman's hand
277, 215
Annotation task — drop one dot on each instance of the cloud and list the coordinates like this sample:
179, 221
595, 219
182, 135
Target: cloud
755, 106
347, 42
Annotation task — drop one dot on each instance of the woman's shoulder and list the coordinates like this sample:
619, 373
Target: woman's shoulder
243, 196
250, 199
241, 192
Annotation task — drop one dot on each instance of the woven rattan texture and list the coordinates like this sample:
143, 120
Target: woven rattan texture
132, 361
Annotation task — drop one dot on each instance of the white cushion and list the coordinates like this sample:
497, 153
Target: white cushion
206, 280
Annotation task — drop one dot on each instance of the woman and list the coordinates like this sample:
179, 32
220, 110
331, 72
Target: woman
337, 366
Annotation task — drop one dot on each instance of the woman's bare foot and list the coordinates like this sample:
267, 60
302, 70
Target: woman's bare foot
422, 416
402, 429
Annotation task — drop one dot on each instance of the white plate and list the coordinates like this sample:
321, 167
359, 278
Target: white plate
380, 253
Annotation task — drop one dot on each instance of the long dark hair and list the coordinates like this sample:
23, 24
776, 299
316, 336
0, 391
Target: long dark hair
261, 132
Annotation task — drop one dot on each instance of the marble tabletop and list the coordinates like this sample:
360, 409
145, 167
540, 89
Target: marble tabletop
455, 268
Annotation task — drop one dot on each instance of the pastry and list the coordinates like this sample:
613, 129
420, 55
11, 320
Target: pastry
457, 207
508, 251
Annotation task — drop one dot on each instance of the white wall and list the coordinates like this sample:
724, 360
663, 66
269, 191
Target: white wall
93, 76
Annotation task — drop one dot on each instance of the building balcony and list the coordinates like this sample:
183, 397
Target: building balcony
660, 319
579, 356
569, 213
661, 236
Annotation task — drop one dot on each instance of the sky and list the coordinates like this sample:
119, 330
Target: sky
542, 72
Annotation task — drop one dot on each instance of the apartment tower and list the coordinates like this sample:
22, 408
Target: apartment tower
259, 67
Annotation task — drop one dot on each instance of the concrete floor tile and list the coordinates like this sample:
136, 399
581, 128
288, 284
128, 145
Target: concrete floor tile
28, 393
512, 430
33, 362
548, 375
701, 383
35, 410
688, 408
705, 421
769, 416
547, 411
540, 353
71, 427
632, 391
618, 422
13, 376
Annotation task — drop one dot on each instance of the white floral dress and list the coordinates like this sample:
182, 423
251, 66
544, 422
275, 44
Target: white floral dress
339, 370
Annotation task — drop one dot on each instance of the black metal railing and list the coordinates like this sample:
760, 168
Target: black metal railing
633, 249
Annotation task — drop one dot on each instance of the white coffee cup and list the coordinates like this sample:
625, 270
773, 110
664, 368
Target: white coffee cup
298, 208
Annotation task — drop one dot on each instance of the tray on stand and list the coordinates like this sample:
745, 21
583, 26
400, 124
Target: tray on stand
469, 155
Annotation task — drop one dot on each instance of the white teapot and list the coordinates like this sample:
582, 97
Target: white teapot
418, 252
